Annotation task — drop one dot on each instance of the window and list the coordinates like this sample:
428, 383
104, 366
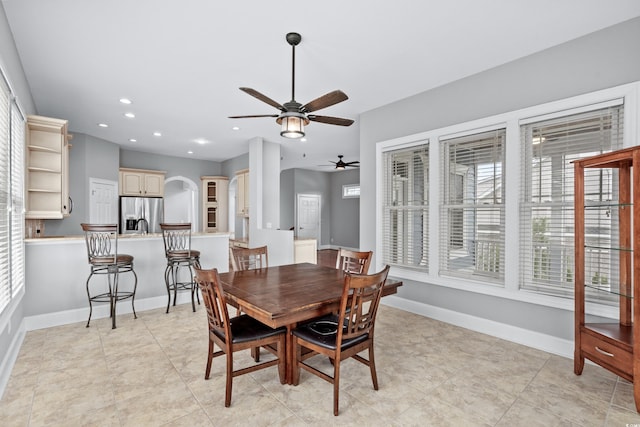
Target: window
350, 191
546, 207
11, 197
472, 217
405, 213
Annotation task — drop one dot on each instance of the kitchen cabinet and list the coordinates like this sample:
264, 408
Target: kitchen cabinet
305, 250
215, 205
141, 182
607, 261
47, 168
242, 195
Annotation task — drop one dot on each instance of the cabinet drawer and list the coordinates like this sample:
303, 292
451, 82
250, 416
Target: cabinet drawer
600, 350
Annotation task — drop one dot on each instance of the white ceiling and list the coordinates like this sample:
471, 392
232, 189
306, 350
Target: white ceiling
181, 62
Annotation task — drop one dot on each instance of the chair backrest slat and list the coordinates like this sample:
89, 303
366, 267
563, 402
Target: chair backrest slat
353, 261
214, 302
249, 258
359, 305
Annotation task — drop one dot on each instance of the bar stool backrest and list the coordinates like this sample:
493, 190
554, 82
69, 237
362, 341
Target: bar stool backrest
177, 239
102, 242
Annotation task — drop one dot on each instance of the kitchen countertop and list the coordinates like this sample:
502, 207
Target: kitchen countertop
120, 237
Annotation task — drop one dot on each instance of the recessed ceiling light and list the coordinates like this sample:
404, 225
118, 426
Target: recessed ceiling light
133, 140
125, 101
235, 128
157, 134
103, 125
130, 115
201, 141
189, 152
303, 139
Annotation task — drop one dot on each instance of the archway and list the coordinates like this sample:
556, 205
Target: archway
181, 201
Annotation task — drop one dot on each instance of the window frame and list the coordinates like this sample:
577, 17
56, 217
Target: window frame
346, 193
14, 214
512, 120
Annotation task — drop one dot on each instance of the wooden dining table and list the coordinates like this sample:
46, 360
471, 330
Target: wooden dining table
286, 295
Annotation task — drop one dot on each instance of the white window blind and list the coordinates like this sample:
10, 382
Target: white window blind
405, 213
17, 199
5, 185
472, 214
546, 207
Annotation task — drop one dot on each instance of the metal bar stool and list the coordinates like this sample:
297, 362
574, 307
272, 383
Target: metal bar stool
102, 251
177, 250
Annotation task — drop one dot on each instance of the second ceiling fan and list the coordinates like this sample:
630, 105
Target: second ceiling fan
294, 116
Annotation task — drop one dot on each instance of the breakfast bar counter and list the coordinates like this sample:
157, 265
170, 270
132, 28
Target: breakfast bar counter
58, 269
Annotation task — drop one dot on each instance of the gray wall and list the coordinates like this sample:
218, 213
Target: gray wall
345, 213
597, 61
287, 199
89, 157
339, 217
174, 166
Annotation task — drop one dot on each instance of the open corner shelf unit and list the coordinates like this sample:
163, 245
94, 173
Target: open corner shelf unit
607, 261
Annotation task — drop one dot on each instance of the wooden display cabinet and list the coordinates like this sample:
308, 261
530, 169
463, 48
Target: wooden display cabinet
215, 206
242, 197
47, 168
607, 261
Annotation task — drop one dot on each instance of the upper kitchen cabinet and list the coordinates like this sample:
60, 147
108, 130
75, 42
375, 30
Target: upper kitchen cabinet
47, 171
141, 182
242, 197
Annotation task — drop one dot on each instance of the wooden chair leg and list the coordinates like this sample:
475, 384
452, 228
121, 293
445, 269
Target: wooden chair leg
372, 367
295, 375
207, 370
336, 386
227, 395
282, 367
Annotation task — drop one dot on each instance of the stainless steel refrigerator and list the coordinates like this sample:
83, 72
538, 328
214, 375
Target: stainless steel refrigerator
141, 214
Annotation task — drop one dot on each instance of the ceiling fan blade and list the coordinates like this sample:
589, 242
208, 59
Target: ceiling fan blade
255, 115
325, 101
263, 98
330, 120
355, 163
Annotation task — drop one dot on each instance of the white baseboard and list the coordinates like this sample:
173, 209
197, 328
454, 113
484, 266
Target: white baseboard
100, 311
10, 358
537, 340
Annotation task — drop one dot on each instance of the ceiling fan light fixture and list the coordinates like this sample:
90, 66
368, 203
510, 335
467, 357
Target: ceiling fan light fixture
293, 124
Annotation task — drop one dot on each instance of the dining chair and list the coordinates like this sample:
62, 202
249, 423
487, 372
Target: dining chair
353, 261
249, 258
179, 255
104, 259
237, 333
358, 307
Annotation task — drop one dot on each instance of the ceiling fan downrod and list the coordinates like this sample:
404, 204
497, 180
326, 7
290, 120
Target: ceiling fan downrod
293, 39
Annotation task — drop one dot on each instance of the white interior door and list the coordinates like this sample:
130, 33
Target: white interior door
103, 201
308, 216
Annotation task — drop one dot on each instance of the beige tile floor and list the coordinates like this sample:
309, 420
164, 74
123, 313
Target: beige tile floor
150, 372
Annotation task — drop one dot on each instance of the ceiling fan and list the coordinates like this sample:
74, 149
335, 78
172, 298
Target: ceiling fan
293, 115
340, 164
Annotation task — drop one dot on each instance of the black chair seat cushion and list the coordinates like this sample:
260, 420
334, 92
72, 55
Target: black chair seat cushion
323, 331
245, 328
108, 260
183, 255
